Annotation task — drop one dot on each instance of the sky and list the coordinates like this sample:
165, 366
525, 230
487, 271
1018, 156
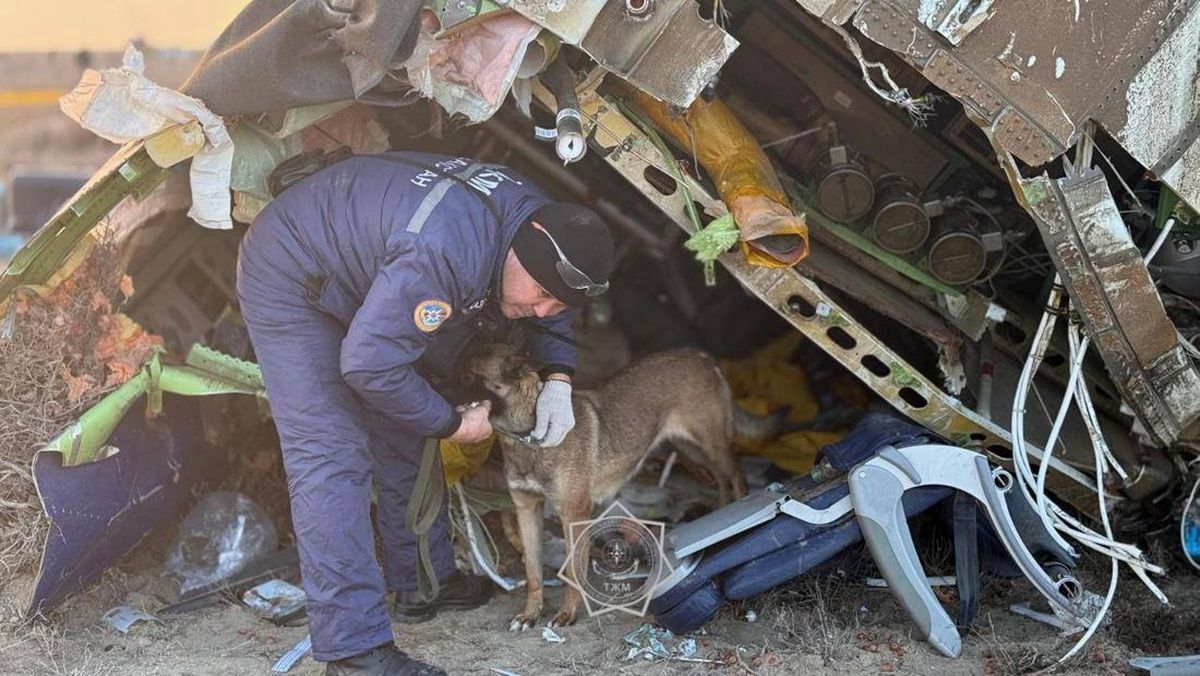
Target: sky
107, 25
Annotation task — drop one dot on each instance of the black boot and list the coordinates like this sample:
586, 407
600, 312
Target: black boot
458, 592
386, 660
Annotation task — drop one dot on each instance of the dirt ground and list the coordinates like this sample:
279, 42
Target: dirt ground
827, 623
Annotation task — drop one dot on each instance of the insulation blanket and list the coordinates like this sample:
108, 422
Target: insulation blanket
122, 105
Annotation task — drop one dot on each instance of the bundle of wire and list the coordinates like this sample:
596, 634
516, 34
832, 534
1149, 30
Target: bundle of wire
1054, 517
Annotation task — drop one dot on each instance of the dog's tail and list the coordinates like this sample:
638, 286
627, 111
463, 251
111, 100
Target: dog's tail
749, 426
753, 427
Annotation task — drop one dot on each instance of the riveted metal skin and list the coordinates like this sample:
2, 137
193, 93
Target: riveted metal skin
1096, 258
1034, 72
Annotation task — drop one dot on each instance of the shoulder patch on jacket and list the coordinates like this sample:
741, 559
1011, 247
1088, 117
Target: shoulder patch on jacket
430, 314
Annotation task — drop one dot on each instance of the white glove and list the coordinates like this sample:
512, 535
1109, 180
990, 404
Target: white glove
555, 417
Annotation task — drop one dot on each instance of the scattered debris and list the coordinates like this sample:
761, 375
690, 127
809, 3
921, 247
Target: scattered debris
282, 562
471, 72
672, 502
938, 581
122, 105
652, 643
502, 672
551, 636
122, 618
221, 535
1168, 666
1086, 607
276, 600
1189, 528
751, 616
291, 657
60, 353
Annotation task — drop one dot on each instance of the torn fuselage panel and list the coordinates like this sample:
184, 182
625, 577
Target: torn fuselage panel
1112, 289
662, 47
1035, 72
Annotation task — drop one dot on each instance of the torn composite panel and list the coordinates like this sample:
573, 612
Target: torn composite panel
667, 51
1113, 292
99, 510
1033, 72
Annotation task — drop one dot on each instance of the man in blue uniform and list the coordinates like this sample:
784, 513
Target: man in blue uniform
359, 285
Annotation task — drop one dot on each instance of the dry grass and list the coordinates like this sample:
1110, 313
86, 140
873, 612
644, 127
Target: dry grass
1008, 657
50, 371
815, 615
39, 647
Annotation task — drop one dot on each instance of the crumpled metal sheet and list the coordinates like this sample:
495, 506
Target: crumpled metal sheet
100, 510
833, 11
1033, 72
1108, 282
1157, 119
670, 54
669, 51
570, 20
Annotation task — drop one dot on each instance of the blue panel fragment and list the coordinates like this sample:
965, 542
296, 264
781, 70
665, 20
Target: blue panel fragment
785, 548
813, 546
100, 510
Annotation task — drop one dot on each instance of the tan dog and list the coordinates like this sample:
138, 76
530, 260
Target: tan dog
678, 396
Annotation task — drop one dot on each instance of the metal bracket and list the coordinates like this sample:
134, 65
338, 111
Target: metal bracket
956, 20
1119, 303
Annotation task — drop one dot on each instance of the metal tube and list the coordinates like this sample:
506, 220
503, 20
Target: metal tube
572, 183
570, 143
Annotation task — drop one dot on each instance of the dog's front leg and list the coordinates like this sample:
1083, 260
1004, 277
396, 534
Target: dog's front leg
508, 521
574, 509
529, 525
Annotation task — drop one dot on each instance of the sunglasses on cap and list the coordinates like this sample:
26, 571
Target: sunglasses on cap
572, 276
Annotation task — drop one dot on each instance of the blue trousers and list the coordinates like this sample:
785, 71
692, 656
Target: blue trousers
333, 446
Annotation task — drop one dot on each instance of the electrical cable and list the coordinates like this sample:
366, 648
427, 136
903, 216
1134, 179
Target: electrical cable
1053, 516
1136, 199
484, 560
919, 109
1162, 237
1073, 339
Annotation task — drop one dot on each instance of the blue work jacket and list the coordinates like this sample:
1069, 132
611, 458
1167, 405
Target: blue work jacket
397, 250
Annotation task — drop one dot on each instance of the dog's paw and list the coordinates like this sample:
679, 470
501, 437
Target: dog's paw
563, 618
522, 622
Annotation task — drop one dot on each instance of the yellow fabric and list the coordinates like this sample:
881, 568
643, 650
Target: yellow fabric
797, 451
460, 461
760, 216
767, 381
723, 146
744, 176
